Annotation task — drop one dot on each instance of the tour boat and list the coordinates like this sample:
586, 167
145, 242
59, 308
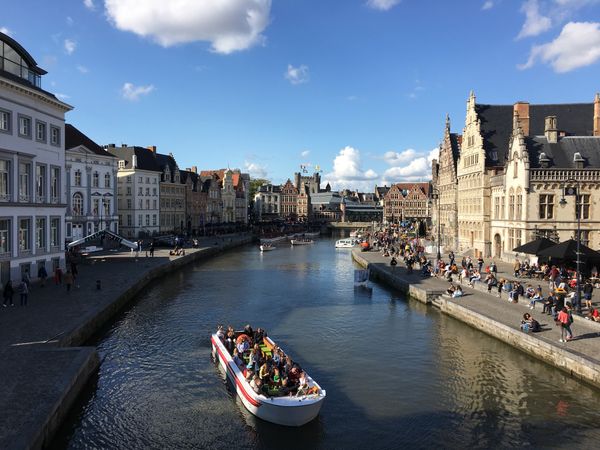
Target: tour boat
267, 247
293, 411
345, 243
302, 241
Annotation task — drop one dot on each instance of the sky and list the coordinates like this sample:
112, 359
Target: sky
357, 89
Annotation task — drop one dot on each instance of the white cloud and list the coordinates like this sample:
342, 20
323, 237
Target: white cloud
409, 165
488, 4
70, 46
382, 5
535, 23
305, 153
394, 158
255, 170
133, 93
83, 69
5, 31
352, 98
578, 45
70, 21
89, 4
229, 26
62, 97
347, 171
297, 75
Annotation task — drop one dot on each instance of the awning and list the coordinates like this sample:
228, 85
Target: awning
106, 234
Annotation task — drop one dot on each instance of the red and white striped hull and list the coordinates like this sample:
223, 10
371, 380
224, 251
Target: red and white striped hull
289, 411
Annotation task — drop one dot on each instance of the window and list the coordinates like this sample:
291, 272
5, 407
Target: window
5, 238
54, 231
95, 206
25, 126
141, 179
129, 178
546, 206
107, 180
128, 220
95, 179
147, 220
55, 183
24, 177
140, 220
128, 203
54, 135
141, 204
153, 204
40, 183
148, 180
147, 204
128, 190
24, 234
154, 192
77, 204
78, 177
511, 207
140, 191
121, 164
4, 180
154, 219
583, 205
5, 121
519, 205
40, 131
584, 235
148, 191
40, 233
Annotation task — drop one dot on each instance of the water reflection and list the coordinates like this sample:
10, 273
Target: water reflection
397, 373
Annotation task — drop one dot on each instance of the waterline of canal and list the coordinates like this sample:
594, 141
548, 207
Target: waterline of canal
397, 373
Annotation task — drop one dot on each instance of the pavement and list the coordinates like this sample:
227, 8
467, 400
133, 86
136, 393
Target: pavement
35, 368
587, 333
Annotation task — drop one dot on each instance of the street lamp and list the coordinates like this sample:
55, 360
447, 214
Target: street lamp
578, 213
436, 195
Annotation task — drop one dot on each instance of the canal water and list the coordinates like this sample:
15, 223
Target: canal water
397, 373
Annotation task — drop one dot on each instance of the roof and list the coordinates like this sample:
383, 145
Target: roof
185, 174
455, 141
325, 198
236, 176
576, 119
145, 157
75, 138
165, 161
561, 154
409, 187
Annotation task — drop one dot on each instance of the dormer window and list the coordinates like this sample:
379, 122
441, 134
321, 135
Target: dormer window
544, 160
121, 164
578, 160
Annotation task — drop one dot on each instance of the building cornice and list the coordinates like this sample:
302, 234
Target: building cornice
35, 94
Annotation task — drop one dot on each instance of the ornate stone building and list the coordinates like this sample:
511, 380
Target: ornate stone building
172, 194
304, 205
194, 206
444, 179
407, 202
289, 200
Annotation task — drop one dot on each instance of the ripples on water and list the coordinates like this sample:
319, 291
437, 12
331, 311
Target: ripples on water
396, 372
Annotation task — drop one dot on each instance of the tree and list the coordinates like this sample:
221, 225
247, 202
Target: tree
255, 183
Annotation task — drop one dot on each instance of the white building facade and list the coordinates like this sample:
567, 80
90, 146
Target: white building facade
32, 168
91, 185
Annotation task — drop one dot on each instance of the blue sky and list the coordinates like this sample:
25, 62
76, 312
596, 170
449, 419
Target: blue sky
358, 87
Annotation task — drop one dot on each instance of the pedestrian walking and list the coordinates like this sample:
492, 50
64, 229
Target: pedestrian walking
24, 292
58, 274
8, 294
42, 275
152, 249
480, 263
68, 278
26, 279
564, 321
588, 289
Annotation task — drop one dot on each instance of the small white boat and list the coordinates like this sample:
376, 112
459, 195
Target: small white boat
345, 243
267, 247
293, 411
302, 241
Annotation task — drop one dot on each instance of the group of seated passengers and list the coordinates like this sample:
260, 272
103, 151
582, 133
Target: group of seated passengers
272, 374
177, 251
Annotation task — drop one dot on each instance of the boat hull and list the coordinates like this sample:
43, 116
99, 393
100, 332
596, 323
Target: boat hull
287, 411
267, 248
298, 242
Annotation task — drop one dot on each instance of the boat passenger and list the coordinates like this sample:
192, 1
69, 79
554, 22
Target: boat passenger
263, 373
248, 331
238, 361
220, 332
276, 377
242, 346
259, 335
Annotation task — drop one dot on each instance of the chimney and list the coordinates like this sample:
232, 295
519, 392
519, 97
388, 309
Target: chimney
110, 146
194, 169
550, 130
134, 161
124, 145
597, 115
522, 109
152, 148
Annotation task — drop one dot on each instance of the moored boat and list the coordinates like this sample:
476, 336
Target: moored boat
345, 243
292, 411
267, 247
302, 241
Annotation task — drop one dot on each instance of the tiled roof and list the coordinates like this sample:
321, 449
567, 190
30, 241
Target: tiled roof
145, 157
561, 154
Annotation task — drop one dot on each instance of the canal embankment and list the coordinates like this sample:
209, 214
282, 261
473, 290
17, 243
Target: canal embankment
44, 367
498, 318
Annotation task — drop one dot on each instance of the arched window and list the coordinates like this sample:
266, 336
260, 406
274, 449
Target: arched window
95, 179
77, 204
107, 180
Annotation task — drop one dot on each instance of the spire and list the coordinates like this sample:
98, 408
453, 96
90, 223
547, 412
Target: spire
448, 122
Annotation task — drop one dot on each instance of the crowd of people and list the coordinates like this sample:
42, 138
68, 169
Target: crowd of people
268, 370
561, 300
